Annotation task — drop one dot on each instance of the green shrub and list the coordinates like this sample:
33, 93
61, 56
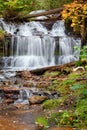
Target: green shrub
50, 104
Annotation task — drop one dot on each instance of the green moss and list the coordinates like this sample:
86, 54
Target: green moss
86, 67
55, 82
73, 75
76, 87
50, 104
64, 85
1, 53
52, 88
53, 73
57, 52
2, 32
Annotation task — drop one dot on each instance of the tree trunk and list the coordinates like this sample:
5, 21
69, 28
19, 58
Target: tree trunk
84, 34
46, 13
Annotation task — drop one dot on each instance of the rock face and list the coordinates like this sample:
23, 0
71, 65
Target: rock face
9, 94
35, 99
25, 85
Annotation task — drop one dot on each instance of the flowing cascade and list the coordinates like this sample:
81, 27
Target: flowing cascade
33, 45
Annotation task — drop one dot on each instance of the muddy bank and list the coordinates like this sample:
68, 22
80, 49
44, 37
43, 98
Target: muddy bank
22, 118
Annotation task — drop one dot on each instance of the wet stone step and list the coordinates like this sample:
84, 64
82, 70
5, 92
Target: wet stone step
10, 90
11, 96
9, 101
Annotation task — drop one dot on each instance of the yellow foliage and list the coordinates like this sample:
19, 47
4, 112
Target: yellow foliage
77, 13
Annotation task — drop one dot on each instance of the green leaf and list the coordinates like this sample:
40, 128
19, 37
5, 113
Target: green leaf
77, 86
84, 93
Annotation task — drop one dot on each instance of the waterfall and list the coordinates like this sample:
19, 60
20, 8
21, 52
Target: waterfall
23, 96
66, 49
33, 45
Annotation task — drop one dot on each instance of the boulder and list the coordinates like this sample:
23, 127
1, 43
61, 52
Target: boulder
36, 99
10, 90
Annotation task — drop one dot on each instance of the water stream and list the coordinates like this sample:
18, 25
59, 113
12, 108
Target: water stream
33, 46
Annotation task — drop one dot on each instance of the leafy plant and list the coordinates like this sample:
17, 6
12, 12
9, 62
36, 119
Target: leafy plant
42, 121
77, 86
53, 118
83, 53
81, 111
14, 8
86, 67
51, 4
67, 82
84, 93
63, 118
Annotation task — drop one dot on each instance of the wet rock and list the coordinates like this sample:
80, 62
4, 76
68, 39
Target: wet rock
48, 94
55, 94
39, 93
9, 101
11, 107
7, 35
1, 94
49, 24
6, 82
24, 74
11, 96
21, 106
35, 99
52, 94
43, 84
39, 127
28, 84
10, 90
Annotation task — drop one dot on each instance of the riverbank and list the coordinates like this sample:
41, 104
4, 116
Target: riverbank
58, 94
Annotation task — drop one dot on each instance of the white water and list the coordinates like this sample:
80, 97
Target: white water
23, 97
33, 46
25, 94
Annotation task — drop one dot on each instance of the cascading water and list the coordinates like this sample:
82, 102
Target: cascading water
68, 54
23, 96
33, 46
